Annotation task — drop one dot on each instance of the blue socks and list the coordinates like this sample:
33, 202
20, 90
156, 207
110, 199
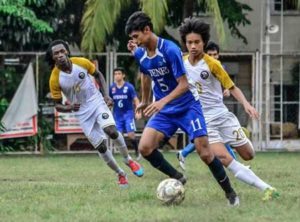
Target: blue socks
188, 149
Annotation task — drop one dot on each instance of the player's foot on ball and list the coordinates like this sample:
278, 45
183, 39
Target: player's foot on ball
233, 199
270, 194
181, 178
123, 182
136, 168
181, 160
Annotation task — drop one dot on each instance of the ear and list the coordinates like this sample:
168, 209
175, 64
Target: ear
147, 29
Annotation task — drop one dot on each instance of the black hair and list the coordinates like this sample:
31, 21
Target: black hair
194, 25
137, 22
49, 55
212, 46
121, 69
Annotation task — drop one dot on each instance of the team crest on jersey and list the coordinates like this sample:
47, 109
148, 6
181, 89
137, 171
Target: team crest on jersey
125, 89
105, 116
204, 74
81, 75
113, 90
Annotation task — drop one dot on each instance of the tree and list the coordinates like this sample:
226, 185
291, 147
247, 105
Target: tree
100, 18
27, 24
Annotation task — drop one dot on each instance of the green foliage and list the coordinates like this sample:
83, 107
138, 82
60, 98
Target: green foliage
157, 10
98, 22
26, 23
234, 13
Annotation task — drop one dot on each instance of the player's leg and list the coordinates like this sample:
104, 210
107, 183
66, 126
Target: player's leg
158, 128
106, 121
240, 171
194, 124
235, 136
182, 154
130, 129
96, 137
230, 151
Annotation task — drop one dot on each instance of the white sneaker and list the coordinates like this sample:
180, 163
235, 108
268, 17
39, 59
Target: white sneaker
181, 160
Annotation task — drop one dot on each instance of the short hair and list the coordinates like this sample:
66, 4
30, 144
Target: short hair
49, 55
194, 25
121, 69
212, 46
137, 22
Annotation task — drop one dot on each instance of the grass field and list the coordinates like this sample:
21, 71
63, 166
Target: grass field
82, 188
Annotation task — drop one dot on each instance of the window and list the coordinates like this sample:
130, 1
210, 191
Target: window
286, 5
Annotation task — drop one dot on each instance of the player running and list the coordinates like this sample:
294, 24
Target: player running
212, 49
124, 97
222, 126
175, 106
70, 76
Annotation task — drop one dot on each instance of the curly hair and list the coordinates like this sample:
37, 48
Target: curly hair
194, 25
49, 55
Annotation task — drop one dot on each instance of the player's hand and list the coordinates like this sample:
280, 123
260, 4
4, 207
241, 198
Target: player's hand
138, 115
131, 46
140, 107
154, 108
75, 107
226, 93
252, 112
109, 102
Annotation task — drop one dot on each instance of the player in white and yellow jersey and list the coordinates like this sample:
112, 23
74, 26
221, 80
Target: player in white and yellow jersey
223, 127
71, 76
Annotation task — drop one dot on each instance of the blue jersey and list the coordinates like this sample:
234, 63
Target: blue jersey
123, 98
164, 68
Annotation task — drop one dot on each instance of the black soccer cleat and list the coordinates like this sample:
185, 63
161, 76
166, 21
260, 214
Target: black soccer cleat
179, 176
233, 199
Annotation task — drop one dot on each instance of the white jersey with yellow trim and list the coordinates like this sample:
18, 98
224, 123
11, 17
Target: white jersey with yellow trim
78, 86
209, 77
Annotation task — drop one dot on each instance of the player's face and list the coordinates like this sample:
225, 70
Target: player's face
60, 55
194, 44
118, 76
141, 38
213, 53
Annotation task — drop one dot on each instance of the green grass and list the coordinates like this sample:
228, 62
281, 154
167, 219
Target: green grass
82, 188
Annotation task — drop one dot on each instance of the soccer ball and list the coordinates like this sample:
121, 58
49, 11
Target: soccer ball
170, 191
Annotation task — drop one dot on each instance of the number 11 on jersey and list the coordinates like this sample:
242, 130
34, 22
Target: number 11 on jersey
196, 124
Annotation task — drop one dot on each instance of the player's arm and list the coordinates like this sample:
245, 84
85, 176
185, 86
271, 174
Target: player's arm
239, 96
145, 93
103, 87
67, 108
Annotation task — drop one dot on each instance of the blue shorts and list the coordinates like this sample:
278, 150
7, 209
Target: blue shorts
192, 122
125, 123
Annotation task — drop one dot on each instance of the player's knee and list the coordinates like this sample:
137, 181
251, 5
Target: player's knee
248, 156
102, 147
112, 132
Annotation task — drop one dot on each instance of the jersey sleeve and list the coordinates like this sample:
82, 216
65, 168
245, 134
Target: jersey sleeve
219, 72
174, 57
54, 86
85, 63
138, 54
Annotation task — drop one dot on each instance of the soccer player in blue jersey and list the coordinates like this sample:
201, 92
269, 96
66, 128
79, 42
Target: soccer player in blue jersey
125, 98
175, 106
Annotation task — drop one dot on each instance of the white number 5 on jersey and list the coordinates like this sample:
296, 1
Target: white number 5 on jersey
162, 85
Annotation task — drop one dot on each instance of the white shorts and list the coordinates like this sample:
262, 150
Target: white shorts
94, 121
226, 129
